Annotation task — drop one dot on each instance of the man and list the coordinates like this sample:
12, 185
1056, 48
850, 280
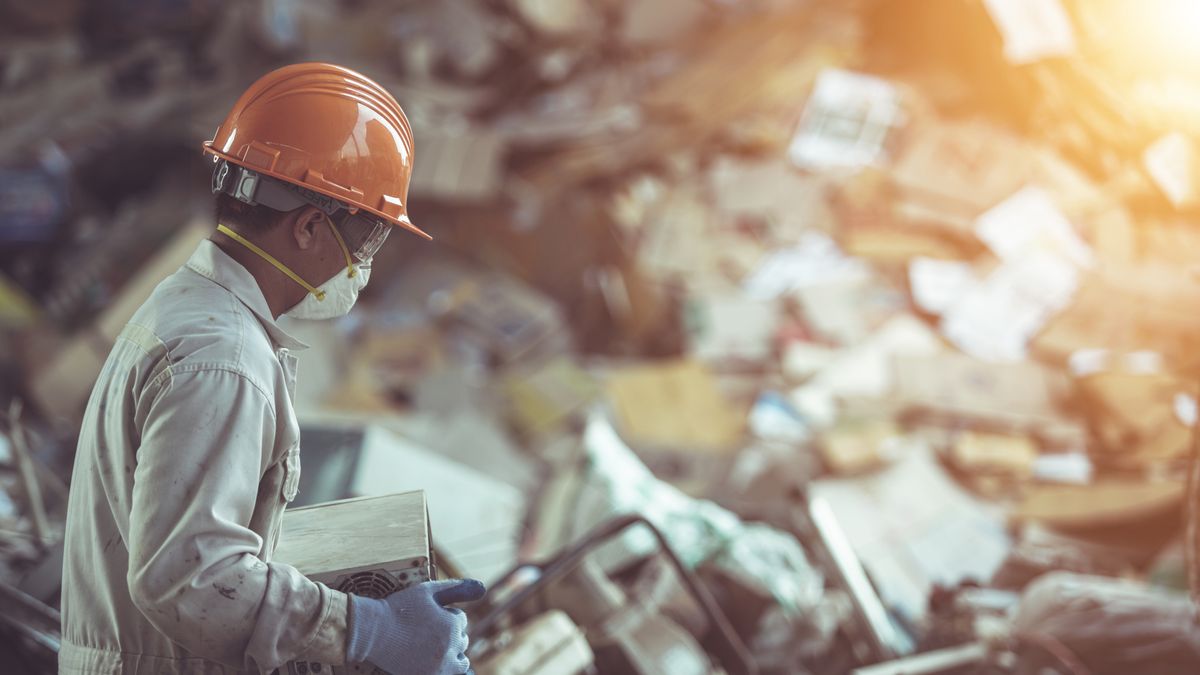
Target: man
189, 450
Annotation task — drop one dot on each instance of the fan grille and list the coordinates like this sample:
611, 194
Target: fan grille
371, 584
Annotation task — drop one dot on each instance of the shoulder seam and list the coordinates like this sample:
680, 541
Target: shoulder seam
238, 310
185, 368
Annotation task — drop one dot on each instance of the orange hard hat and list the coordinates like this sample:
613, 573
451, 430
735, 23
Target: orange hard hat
327, 129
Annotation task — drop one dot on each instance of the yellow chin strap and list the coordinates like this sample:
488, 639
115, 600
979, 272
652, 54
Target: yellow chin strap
350, 269
320, 295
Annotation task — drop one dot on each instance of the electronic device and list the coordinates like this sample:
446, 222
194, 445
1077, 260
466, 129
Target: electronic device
369, 546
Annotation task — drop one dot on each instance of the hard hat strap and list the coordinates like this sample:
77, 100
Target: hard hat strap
271, 259
251, 187
352, 270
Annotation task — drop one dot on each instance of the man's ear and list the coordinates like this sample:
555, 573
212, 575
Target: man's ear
304, 227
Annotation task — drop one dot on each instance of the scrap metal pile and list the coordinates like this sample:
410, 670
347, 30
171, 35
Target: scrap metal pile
877, 315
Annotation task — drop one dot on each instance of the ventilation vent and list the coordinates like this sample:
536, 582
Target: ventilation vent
371, 584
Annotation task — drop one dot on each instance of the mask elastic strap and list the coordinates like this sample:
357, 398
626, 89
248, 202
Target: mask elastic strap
350, 271
271, 259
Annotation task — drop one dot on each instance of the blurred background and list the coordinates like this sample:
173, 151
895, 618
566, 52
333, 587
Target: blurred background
879, 311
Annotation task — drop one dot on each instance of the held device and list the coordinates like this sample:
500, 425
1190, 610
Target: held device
369, 546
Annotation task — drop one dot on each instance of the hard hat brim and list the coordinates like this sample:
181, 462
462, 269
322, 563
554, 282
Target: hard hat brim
401, 221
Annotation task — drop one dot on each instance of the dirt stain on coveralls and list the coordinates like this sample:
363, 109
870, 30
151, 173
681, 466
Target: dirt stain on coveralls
226, 591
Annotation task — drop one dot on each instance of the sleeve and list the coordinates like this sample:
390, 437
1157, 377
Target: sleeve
194, 570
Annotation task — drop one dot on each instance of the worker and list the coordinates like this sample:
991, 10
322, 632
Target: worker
190, 448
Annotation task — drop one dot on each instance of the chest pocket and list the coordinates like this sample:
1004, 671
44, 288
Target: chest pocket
291, 474
291, 460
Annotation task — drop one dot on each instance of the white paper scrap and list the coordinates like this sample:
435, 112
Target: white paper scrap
1032, 29
1030, 221
1171, 162
937, 284
846, 122
996, 318
1185, 409
815, 260
1066, 467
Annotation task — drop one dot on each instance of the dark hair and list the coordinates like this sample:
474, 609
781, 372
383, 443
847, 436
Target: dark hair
251, 219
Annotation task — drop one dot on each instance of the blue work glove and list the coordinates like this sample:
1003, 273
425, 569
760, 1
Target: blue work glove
413, 632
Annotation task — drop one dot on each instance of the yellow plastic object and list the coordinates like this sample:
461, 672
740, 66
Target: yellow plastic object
327, 129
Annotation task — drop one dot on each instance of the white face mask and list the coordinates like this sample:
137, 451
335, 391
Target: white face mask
331, 299
339, 293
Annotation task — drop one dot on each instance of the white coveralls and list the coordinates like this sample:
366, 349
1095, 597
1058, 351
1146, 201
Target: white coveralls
188, 454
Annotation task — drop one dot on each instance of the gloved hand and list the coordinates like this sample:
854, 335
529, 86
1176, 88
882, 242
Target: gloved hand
413, 632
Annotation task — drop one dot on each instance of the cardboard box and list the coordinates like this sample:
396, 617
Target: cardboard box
386, 367
856, 446
953, 388
1126, 309
674, 405
677, 420
542, 399
954, 171
1132, 417
902, 240
985, 453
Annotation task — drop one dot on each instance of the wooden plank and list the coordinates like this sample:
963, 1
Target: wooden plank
1099, 505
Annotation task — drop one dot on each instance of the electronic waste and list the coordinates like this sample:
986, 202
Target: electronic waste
369, 546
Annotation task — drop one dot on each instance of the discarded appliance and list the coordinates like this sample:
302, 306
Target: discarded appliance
627, 635
369, 546
549, 644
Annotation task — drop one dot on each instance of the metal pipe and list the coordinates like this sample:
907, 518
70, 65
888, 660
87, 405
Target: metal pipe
736, 659
888, 639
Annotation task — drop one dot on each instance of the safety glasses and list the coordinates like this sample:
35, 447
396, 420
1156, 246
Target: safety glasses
363, 234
